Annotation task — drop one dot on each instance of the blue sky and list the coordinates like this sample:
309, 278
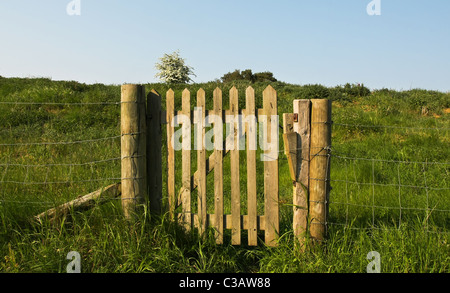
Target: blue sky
330, 42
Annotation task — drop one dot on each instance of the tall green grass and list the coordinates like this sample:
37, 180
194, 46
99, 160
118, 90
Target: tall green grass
407, 224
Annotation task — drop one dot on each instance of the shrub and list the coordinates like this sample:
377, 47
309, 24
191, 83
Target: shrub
265, 76
172, 69
248, 76
314, 91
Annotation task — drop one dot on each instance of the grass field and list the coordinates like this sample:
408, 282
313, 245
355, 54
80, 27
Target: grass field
390, 178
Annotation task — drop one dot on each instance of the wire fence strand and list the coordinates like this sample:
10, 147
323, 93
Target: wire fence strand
346, 183
60, 103
61, 142
391, 127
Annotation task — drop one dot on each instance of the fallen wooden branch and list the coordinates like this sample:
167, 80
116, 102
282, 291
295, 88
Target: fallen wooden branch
97, 197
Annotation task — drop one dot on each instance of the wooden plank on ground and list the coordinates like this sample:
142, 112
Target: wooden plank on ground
84, 202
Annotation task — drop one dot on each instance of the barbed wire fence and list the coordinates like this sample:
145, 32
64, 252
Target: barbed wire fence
43, 174
376, 200
386, 194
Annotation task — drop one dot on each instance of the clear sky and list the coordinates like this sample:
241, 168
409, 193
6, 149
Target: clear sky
330, 42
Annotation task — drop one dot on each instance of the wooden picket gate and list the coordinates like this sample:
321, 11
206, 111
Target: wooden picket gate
220, 221
142, 161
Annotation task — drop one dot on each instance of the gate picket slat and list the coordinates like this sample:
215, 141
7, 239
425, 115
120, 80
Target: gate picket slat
251, 136
170, 111
201, 162
270, 171
218, 166
186, 161
234, 165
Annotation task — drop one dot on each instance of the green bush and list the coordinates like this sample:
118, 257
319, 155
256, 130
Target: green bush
265, 76
314, 91
248, 75
349, 92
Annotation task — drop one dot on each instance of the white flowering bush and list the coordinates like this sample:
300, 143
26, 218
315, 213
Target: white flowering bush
172, 69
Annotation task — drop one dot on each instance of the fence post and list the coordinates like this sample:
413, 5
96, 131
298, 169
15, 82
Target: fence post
297, 129
154, 154
133, 148
319, 169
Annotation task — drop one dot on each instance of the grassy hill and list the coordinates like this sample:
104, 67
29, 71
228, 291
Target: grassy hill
389, 176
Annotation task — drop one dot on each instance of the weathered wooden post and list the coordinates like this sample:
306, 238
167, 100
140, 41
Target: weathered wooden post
154, 153
297, 134
319, 169
133, 148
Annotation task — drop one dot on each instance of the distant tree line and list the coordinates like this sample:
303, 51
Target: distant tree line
249, 76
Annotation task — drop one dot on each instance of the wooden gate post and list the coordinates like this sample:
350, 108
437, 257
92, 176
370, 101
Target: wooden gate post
297, 134
319, 169
154, 152
133, 148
